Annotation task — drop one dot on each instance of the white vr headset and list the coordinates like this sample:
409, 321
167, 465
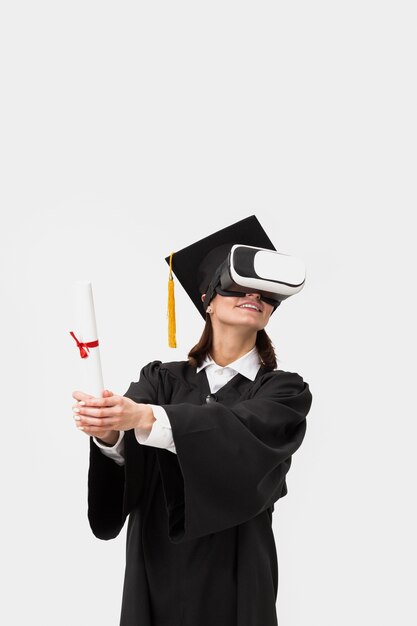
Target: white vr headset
247, 269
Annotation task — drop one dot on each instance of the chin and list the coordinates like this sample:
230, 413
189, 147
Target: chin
253, 324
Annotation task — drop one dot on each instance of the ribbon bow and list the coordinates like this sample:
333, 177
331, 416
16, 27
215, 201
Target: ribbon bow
84, 347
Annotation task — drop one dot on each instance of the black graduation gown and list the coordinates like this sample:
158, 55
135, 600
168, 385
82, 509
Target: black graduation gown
200, 546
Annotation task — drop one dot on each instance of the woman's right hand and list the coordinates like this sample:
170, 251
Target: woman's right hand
108, 437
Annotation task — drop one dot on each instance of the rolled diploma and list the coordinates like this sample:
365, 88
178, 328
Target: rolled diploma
85, 331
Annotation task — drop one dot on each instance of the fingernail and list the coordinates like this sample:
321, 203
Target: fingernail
80, 427
76, 410
77, 417
82, 402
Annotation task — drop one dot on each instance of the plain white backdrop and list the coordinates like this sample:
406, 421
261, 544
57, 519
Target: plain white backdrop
131, 129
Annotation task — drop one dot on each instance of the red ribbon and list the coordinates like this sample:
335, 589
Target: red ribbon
84, 347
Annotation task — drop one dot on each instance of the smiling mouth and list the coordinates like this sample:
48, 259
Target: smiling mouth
251, 307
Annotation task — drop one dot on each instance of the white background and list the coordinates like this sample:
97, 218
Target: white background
131, 129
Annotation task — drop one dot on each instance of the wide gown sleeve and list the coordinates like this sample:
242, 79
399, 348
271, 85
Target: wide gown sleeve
232, 460
114, 490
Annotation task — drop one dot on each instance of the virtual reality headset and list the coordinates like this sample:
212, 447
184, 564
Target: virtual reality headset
248, 269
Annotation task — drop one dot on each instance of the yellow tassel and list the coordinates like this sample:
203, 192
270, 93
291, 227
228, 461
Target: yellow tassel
172, 342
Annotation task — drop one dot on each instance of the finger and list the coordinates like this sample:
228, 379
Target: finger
100, 422
91, 431
105, 412
80, 395
102, 402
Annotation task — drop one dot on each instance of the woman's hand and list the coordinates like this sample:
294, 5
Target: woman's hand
105, 417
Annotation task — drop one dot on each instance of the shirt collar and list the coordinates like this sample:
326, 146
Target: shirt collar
247, 365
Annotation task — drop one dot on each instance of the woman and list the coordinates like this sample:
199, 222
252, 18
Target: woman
196, 453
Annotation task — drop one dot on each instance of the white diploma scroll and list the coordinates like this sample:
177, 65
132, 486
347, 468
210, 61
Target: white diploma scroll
86, 339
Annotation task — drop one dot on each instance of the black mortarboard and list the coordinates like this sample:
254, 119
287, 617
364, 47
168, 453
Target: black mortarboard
194, 266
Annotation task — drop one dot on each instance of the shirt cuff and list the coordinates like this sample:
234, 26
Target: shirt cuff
160, 435
115, 452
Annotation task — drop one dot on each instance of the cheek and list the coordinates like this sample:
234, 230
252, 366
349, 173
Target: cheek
229, 307
226, 306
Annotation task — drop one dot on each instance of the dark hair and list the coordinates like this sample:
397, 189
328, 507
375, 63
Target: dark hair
198, 353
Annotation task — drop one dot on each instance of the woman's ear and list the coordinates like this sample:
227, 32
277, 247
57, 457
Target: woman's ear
203, 297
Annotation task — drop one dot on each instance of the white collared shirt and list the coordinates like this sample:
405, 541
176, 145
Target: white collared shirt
247, 365
160, 435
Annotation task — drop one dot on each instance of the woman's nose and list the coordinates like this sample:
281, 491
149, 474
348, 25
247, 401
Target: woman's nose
257, 296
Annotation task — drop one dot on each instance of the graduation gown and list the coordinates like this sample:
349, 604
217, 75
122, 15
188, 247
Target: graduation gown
200, 545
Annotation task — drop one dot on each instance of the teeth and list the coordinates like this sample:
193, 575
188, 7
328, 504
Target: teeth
249, 306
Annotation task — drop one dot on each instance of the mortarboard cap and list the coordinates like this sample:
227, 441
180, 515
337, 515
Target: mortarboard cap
194, 266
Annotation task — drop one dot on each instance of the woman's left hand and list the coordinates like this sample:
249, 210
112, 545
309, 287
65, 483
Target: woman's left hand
100, 415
